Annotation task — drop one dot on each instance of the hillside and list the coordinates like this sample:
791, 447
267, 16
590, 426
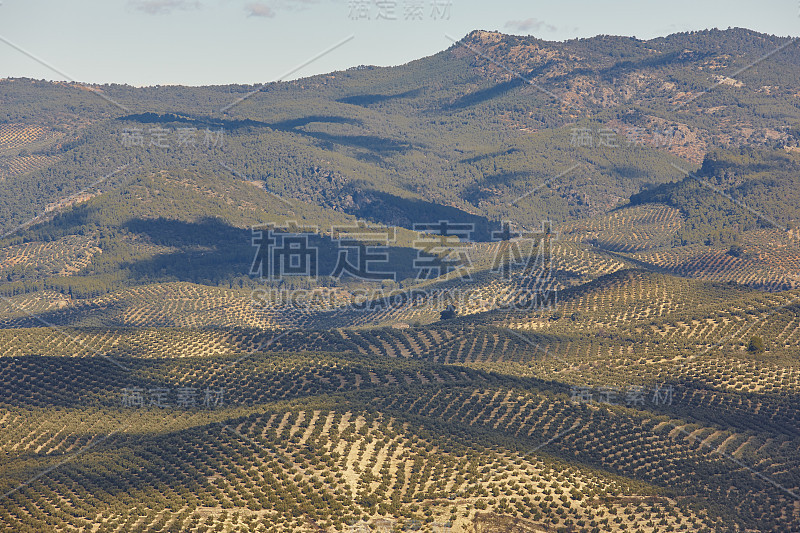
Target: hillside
518, 285
452, 129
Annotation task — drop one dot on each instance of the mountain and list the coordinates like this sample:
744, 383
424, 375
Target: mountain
571, 304
456, 129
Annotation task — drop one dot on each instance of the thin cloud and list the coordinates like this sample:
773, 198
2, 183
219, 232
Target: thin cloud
529, 24
257, 9
296, 4
271, 8
163, 7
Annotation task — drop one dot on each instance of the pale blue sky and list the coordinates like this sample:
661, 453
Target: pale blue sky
195, 42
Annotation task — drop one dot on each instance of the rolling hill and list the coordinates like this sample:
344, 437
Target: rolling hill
586, 314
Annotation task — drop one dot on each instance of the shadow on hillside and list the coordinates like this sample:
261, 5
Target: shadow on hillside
305, 121
500, 89
481, 157
366, 100
394, 210
371, 143
492, 185
38, 381
209, 252
212, 252
483, 95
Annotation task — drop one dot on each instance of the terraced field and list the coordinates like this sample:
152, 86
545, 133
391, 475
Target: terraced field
369, 465
19, 165
163, 305
420, 298
56, 258
772, 262
634, 229
16, 135
552, 418
347, 462
767, 259
192, 305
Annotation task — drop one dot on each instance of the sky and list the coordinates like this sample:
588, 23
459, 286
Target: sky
202, 42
